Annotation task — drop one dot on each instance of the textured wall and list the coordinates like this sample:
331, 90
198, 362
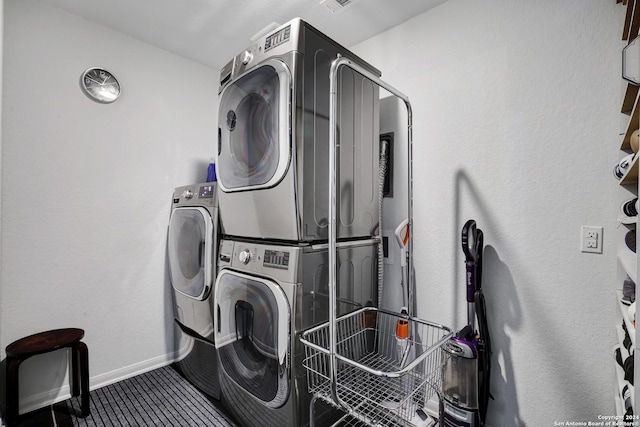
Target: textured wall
86, 190
516, 125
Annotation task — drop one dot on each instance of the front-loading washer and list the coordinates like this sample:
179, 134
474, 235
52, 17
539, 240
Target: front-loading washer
273, 140
191, 251
265, 296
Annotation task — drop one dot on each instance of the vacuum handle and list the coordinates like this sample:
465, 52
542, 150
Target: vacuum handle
469, 245
478, 272
471, 289
471, 251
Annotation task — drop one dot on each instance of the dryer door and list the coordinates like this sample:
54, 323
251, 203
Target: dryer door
253, 135
190, 246
252, 335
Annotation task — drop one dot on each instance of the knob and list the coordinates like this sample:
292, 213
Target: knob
187, 194
247, 56
245, 256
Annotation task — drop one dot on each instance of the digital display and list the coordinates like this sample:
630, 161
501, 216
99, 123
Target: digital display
206, 192
276, 259
277, 38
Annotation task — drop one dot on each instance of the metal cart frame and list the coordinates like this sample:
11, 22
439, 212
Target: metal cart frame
354, 354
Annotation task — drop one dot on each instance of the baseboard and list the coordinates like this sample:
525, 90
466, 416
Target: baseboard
40, 400
132, 370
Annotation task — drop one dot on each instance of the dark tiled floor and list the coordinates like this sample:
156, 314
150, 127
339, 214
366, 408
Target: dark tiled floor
61, 414
51, 416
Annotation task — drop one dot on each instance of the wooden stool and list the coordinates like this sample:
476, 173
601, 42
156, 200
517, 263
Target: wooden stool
45, 342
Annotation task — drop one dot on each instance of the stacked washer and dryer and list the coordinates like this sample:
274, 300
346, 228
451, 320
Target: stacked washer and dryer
273, 177
272, 267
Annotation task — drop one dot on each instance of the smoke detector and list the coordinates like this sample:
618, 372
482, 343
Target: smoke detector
338, 6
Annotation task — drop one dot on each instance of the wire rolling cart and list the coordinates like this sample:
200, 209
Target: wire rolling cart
375, 383
356, 362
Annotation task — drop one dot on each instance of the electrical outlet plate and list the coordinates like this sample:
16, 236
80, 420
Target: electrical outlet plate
591, 239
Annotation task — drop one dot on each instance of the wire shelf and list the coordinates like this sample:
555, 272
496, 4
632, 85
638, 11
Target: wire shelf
381, 380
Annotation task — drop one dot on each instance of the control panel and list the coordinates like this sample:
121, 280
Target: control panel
269, 260
277, 38
196, 195
276, 43
206, 191
276, 259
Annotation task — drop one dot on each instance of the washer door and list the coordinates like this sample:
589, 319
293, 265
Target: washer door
252, 335
253, 135
189, 247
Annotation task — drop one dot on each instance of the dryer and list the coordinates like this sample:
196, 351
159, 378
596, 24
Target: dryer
265, 296
191, 252
273, 140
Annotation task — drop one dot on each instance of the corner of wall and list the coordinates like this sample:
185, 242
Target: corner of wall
1, 126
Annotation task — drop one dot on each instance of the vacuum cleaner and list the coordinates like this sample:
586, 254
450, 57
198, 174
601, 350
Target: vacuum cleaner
467, 372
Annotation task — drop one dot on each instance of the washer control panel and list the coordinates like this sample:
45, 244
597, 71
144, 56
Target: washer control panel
277, 261
196, 195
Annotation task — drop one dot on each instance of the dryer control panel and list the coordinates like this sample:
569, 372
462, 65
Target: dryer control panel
278, 42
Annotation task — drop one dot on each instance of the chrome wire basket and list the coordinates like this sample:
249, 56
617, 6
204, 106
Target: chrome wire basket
382, 380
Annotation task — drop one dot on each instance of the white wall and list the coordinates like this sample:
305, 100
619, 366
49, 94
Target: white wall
86, 191
516, 125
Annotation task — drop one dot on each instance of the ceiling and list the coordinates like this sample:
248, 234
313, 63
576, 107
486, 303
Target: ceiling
211, 32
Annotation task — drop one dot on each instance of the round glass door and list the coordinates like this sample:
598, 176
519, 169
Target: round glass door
252, 335
190, 251
254, 140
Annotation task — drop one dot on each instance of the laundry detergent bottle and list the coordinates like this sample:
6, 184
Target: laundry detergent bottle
211, 173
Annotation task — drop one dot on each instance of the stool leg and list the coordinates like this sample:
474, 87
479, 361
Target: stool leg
75, 370
12, 391
83, 355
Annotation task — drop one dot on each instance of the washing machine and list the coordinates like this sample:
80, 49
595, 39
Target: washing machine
265, 296
191, 251
273, 140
